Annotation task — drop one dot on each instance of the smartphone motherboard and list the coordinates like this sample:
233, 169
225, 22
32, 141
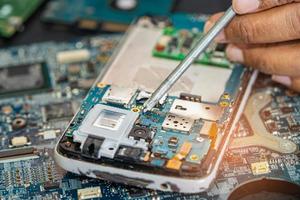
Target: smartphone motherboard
183, 137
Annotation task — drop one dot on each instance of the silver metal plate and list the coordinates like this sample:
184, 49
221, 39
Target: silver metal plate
195, 110
177, 123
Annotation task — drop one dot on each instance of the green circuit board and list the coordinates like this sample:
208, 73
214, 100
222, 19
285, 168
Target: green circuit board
176, 43
13, 13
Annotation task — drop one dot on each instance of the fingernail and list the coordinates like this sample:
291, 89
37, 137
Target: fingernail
246, 6
208, 26
284, 80
221, 38
234, 54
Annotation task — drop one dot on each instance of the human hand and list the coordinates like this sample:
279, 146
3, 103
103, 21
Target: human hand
265, 35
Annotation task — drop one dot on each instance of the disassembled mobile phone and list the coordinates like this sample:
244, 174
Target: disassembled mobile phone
178, 145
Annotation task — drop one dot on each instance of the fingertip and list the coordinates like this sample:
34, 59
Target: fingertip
284, 80
208, 26
211, 21
234, 53
221, 37
296, 84
245, 6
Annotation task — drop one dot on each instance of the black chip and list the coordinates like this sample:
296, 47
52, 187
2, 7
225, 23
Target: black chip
133, 152
136, 192
58, 111
130, 153
51, 185
188, 42
174, 42
24, 79
221, 47
139, 133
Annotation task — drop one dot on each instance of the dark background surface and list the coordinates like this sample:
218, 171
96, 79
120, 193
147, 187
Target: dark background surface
37, 31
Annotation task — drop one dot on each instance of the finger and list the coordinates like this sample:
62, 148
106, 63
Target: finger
292, 83
279, 59
210, 23
250, 6
275, 25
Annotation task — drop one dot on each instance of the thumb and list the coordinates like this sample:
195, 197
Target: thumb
292, 83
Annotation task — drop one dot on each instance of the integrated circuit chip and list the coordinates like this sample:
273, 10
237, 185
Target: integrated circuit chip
58, 111
24, 79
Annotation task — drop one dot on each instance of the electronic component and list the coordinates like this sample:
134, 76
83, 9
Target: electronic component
177, 123
163, 42
174, 164
51, 185
58, 111
89, 193
55, 183
74, 69
221, 47
110, 123
73, 56
91, 146
140, 133
261, 136
188, 42
105, 127
199, 151
19, 123
173, 142
17, 154
184, 150
147, 71
194, 110
7, 109
24, 79
130, 153
118, 95
175, 44
190, 97
259, 168
114, 15
14, 13
209, 129
49, 134
19, 141
24, 167
125, 4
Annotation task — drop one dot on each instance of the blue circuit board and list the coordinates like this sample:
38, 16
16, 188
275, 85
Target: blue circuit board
102, 11
33, 174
